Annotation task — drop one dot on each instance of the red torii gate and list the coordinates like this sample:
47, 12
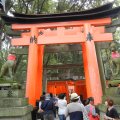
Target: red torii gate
85, 28
84, 32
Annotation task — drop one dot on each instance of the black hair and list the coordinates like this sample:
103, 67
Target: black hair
110, 102
51, 95
42, 98
88, 100
44, 93
61, 96
91, 98
75, 100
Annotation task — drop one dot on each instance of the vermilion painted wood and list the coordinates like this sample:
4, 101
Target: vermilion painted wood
21, 41
100, 29
61, 39
25, 34
64, 36
38, 86
78, 34
97, 22
72, 31
32, 73
102, 37
87, 76
32, 70
56, 87
91, 69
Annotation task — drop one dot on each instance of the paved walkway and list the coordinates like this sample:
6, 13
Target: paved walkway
56, 118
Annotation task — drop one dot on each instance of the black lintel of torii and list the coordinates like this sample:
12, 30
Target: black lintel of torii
104, 11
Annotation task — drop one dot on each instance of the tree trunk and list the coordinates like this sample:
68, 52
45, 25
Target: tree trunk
44, 83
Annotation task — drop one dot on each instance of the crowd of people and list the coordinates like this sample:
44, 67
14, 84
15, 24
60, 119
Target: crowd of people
50, 106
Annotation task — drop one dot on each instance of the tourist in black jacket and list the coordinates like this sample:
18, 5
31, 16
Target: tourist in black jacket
48, 107
111, 113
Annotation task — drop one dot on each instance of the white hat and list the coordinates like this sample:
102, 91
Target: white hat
74, 96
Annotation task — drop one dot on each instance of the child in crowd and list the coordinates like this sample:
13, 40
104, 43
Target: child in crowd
91, 110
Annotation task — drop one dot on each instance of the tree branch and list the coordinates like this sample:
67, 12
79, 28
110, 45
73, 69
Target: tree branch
82, 5
41, 7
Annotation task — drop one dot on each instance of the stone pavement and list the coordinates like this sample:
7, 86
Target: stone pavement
56, 118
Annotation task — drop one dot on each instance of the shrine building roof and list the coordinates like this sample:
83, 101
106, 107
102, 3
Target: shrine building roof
104, 11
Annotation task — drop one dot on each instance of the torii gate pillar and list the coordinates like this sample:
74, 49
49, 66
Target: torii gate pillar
91, 69
35, 69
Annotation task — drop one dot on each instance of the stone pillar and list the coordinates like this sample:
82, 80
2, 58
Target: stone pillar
13, 104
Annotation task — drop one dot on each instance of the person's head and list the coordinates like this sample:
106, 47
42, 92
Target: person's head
42, 98
87, 101
64, 95
61, 96
44, 93
106, 101
56, 95
47, 96
110, 103
74, 97
91, 99
51, 95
